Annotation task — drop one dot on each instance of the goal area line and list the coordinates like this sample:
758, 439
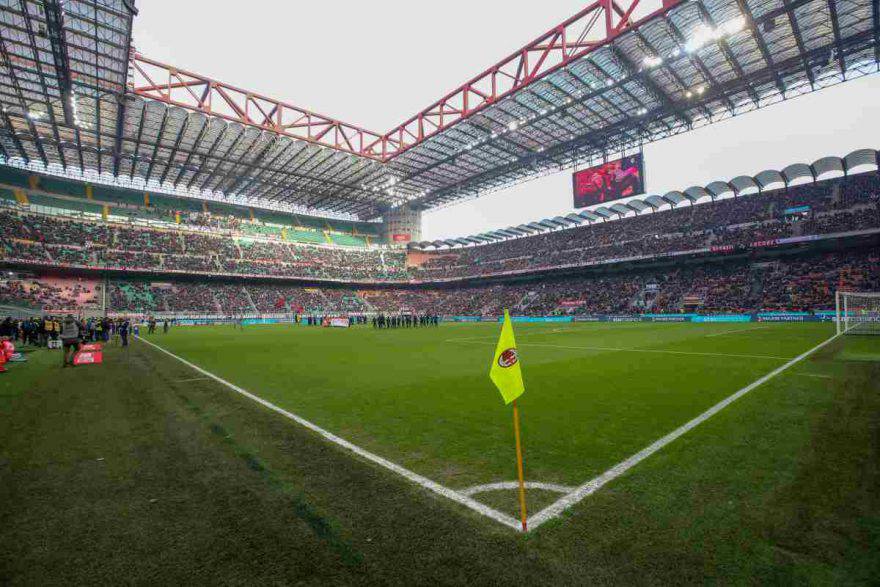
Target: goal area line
463, 497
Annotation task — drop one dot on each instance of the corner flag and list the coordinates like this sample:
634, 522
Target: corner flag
506, 373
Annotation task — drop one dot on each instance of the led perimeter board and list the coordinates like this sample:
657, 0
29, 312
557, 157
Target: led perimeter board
610, 181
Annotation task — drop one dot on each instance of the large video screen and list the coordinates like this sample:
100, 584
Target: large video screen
610, 181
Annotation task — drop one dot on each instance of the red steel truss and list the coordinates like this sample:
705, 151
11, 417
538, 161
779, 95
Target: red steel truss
178, 87
594, 26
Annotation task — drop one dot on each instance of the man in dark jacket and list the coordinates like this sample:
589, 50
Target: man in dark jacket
70, 334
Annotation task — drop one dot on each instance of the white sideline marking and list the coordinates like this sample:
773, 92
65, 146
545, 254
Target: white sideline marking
193, 379
736, 330
402, 471
590, 487
625, 350
503, 485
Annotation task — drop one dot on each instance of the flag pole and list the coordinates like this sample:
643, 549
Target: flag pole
519, 468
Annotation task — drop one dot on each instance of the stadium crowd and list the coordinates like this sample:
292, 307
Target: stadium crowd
793, 284
757, 220
61, 241
750, 220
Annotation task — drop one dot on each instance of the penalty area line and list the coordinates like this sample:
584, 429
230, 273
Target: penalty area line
419, 480
563, 503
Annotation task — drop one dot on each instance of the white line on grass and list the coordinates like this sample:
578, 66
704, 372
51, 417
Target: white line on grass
736, 330
590, 487
626, 350
506, 485
576, 330
815, 375
402, 471
193, 379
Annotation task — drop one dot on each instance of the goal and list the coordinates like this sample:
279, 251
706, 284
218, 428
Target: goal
858, 312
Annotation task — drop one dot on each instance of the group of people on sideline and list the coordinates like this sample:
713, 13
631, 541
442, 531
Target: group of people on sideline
69, 330
39, 331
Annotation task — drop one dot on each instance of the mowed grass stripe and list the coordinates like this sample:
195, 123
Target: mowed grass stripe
425, 404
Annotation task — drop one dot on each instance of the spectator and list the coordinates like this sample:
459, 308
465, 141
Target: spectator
70, 338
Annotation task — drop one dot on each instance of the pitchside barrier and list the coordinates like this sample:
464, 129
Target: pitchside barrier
820, 316
823, 316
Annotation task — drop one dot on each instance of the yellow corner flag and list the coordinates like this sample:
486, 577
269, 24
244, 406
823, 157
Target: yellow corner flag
506, 373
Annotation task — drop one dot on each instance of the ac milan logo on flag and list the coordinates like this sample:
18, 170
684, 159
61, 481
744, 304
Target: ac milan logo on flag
508, 358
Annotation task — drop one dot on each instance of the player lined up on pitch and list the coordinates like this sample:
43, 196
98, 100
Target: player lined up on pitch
405, 321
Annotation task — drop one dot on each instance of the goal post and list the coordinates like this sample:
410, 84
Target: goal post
857, 312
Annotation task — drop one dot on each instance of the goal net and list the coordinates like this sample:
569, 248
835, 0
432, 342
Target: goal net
858, 312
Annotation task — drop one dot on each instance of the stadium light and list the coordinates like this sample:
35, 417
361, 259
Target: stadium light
652, 61
699, 38
704, 34
733, 26
74, 105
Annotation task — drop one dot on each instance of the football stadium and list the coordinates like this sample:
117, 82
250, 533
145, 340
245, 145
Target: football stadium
605, 313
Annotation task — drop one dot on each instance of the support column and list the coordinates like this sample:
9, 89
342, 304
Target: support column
402, 226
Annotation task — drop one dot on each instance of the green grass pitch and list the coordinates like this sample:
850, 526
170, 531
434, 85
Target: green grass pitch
596, 393
142, 470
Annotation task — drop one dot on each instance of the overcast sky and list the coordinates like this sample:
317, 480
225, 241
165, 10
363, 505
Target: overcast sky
375, 64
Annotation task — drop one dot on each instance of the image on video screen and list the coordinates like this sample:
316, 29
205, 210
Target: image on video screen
610, 181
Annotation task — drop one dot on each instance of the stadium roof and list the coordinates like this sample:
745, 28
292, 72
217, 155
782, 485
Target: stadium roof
78, 101
860, 161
